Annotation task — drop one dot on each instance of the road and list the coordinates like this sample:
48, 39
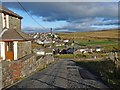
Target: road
62, 74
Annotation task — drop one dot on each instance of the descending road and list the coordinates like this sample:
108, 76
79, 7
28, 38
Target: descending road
62, 74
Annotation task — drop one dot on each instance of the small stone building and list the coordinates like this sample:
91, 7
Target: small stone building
14, 44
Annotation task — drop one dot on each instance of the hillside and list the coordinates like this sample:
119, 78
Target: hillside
105, 38
104, 34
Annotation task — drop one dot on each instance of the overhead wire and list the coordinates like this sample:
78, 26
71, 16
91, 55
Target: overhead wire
30, 15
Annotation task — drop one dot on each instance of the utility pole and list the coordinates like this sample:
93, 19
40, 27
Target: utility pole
51, 39
51, 35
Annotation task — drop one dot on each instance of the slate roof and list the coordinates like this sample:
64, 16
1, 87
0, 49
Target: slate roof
24, 35
9, 12
11, 35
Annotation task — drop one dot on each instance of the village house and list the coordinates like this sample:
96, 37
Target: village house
81, 50
98, 49
14, 44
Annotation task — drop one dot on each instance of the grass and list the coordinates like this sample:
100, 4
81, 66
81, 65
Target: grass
108, 45
71, 56
107, 39
78, 56
35, 45
108, 34
97, 42
64, 56
106, 69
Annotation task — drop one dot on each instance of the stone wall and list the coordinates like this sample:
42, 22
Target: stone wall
14, 23
0, 75
13, 71
1, 22
23, 49
113, 56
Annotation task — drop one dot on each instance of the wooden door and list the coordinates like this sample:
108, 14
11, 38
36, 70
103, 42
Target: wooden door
9, 50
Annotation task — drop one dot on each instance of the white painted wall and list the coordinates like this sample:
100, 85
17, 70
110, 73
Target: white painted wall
15, 50
7, 19
66, 41
2, 48
98, 49
3, 20
40, 53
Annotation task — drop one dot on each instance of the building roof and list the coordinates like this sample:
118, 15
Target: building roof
24, 35
11, 35
9, 12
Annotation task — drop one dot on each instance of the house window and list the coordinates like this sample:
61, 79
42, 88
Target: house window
9, 46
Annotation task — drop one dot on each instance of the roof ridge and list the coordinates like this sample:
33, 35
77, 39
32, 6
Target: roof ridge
3, 31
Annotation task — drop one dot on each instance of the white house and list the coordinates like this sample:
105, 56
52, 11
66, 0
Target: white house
40, 52
98, 49
65, 41
14, 44
82, 50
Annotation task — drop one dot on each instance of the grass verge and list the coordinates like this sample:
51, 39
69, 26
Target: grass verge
105, 69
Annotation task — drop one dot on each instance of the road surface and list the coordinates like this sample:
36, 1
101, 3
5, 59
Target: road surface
62, 74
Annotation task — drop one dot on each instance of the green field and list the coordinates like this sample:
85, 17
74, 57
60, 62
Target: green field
100, 42
107, 39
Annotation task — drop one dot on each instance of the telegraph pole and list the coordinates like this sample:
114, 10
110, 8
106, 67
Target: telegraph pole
51, 31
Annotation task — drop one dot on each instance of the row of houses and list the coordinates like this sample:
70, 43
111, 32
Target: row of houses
77, 51
48, 38
14, 44
89, 50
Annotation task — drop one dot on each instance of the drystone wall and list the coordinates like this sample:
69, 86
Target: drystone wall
0, 75
14, 71
23, 49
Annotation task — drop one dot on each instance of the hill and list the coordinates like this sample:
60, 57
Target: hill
106, 38
103, 34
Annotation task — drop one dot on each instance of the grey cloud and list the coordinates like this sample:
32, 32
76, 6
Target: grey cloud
89, 24
81, 16
68, 11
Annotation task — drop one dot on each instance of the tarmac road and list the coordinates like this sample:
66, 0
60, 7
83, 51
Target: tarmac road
62, 74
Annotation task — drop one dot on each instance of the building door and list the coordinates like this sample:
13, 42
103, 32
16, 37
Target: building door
9, 52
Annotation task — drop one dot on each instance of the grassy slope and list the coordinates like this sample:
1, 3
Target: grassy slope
107, 34
106, 38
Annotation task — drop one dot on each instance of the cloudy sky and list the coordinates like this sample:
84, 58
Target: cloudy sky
66, 16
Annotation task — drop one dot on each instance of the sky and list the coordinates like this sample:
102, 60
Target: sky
66, 16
